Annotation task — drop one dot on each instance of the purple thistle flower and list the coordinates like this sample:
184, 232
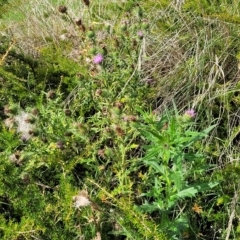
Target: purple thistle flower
140, 34
98, 58
190, 113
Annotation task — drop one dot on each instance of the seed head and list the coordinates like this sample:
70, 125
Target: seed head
60, 145
130, 118
81, 200
62, 9
86, 2
24, 127
10, 110
51, 94
67, 112
15, 158
78, 22
101, 153
25, 179
119, 131
9, 122
98, 92
118, 104
35, 111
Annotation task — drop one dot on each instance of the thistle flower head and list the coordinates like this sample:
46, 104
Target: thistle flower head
190, 113
62, 9
98, 59
87, 2
140, 34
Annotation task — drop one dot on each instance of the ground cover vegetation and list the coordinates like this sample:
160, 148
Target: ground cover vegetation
119, 119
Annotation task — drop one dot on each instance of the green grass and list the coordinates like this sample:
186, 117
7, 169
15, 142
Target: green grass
106, 150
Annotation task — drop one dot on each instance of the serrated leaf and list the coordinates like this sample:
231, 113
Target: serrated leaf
192, 191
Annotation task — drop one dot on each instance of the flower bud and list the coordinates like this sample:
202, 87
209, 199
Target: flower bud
145, 25
91, 34
93, 51
124, 27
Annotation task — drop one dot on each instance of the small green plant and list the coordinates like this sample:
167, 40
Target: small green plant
172, 169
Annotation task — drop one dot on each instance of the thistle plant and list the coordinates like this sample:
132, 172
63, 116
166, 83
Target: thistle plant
82, 156
174, 170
